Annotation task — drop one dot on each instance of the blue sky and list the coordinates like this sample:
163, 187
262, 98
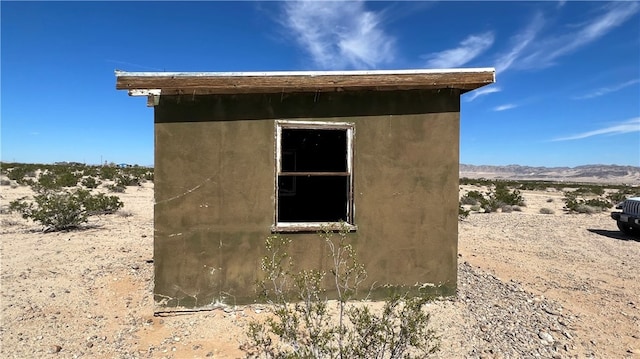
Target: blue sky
567, 90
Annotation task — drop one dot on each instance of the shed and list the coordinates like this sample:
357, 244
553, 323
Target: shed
242, 155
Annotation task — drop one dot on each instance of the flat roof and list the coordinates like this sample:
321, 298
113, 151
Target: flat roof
196, 83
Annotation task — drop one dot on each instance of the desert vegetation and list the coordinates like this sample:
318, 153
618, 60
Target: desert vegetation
492, 195
305, 324
548, 281
65, 195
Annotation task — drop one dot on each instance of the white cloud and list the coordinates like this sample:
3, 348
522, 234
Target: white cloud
605, 90
520, 43
529, 51
470, 96
339, 34
505, 107
546, 52
469, 48
628, 126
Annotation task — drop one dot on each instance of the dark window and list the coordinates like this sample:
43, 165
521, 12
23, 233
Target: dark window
314, 183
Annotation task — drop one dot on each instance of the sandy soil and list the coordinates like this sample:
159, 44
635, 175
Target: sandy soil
88, 293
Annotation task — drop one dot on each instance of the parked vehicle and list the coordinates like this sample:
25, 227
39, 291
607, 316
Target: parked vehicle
629, 219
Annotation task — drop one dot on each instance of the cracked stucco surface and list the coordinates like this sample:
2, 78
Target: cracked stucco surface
214, 190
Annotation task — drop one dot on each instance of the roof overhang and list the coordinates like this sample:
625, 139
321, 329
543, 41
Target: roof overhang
154, 84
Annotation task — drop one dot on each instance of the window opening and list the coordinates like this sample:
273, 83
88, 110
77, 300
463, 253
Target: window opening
314, 174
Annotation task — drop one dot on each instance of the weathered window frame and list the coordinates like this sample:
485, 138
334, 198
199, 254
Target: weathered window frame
349, 224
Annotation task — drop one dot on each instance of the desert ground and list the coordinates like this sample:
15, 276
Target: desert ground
530, 285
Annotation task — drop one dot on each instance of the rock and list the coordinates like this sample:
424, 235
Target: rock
55, 349
546, 337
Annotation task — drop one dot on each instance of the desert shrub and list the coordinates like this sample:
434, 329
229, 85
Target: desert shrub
583, 208
53, 180
504, 196
59, 210
67, 179
462, 212
622, 194
536, 185
149, 176
506, 209
46, 181
302, 325
476, 208
472, 197
115, 188
498, 198
127, 180
91, 171
108, 172
579, 205
17, 173
99, 203
468, 200
601, 203
90, 182
589, 190
546, 210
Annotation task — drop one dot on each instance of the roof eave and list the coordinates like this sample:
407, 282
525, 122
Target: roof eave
196, 83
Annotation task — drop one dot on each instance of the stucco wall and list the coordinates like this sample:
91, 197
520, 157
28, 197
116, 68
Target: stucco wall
214, 189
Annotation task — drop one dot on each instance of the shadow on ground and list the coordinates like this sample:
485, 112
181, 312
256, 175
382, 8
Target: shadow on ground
614, 234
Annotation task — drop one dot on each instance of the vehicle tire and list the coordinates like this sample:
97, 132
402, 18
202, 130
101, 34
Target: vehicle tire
625, 228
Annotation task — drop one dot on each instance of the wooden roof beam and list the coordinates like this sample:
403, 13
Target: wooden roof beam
302, 81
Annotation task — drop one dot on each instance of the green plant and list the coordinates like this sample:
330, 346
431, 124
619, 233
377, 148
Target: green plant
499, 197
127, 180
303, 326
108, 172
90, 182
472, 197
99, 203
59, 210
622, 194
503, 196
54, 180
17, 173
573, 203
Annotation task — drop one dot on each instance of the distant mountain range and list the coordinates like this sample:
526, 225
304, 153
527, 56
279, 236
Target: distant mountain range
587, 173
